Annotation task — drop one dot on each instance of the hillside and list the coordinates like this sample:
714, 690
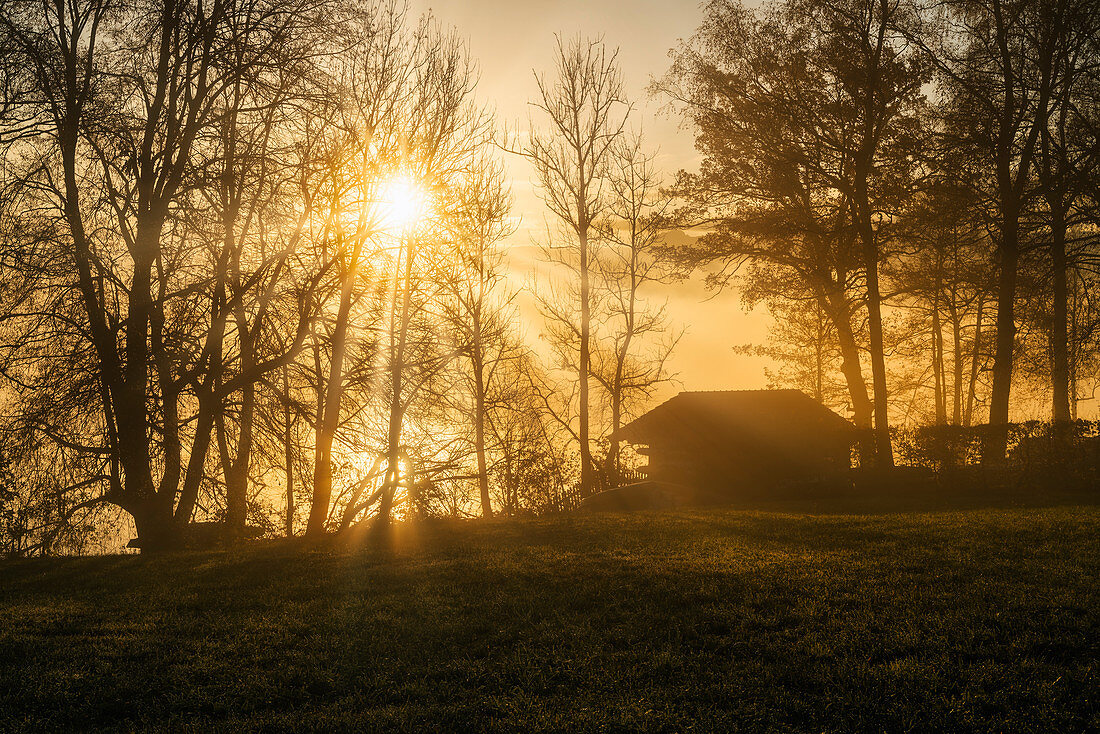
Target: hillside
978, 620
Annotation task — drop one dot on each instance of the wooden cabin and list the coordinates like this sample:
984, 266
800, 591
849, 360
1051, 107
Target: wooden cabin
742, 440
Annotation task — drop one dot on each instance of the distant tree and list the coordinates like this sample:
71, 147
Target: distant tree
535, 469
1065, 161
585, 112
993, 59
802, 343
805, 112
481, 313
633, 348
946, 283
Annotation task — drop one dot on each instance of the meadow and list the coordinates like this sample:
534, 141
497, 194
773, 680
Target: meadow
736, 620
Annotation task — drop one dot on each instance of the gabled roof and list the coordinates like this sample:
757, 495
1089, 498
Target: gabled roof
772, 417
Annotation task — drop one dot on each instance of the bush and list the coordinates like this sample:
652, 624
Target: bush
1038, 452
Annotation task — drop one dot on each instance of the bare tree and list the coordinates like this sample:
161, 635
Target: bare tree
447, 131
375, 80
637, 335
585, 112
480, 315
126, 245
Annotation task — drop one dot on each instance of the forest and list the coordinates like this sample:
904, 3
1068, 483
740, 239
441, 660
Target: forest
256, 255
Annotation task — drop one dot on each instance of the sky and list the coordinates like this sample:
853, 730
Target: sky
511, 40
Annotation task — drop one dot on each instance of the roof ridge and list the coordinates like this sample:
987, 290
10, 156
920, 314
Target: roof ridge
741, 390
762, 407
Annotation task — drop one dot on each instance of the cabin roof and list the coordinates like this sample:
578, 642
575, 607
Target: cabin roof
773, 417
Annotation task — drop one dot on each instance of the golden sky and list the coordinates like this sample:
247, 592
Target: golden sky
513, 39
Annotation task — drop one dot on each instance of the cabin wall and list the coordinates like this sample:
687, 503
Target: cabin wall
719, 465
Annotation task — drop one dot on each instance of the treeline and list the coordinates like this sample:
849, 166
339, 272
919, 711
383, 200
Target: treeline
255, 269
912, 190
254, 275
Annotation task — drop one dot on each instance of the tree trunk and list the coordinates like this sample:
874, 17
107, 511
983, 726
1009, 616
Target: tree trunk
874, 115
196, 462
937, 359
133, 421
238, 468
975, 362
1060, 316
389, 486
819, 357
854, 378
479, 425
207, 404
611, 465
957, 365
849, 364
156, 527
997, 439
582, 369
334, 391
884, 454
861, 213
288, 454
1074, 340
397, 367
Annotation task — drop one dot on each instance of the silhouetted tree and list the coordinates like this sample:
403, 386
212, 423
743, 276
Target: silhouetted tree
585, 112
634, 346
1065, 160
805, 113
481, 313
116, 179
993, 59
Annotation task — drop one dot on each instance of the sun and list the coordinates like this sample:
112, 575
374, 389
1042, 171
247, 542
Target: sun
403, 205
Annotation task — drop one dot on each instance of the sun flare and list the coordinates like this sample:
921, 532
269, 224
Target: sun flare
403, 205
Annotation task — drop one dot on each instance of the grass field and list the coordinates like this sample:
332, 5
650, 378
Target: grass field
975, 620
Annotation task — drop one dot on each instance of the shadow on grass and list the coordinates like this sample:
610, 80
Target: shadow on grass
718, 620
